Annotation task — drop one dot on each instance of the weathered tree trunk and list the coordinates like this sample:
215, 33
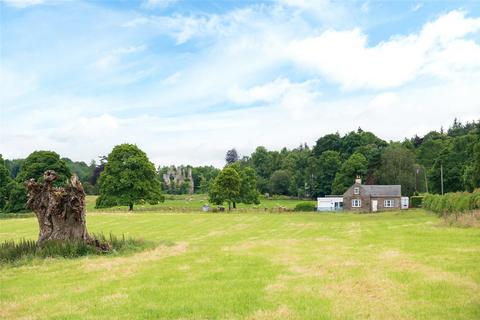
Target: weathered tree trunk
60, 211
130, 207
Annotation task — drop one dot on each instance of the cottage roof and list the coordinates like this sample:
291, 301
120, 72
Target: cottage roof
383, 190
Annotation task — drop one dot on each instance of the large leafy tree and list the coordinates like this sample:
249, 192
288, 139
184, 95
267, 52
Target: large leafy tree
40, 161
226, 187
231, 156
355, 165
329, 142
328, 165
280, 182
398, 167
33, 167
4, 181
129, 177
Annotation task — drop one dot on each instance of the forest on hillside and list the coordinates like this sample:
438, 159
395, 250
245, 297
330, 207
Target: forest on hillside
328, 167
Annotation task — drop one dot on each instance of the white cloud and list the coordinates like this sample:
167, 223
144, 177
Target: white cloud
15, 84
345, 58
114, 57
23, 3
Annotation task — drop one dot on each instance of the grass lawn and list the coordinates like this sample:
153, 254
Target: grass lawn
398, 265
196, 201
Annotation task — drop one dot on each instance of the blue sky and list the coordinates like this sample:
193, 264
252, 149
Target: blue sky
187, 80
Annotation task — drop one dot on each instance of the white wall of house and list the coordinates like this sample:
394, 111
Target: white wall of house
329, 204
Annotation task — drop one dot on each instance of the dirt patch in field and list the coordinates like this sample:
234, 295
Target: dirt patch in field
372, 296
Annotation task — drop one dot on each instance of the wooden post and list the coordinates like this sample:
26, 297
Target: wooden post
441, 175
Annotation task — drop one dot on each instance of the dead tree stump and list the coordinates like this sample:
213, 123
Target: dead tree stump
60, 211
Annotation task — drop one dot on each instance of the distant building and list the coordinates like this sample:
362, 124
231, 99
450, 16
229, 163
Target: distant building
372, 198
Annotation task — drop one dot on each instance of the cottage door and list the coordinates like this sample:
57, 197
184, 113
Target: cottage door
374, 205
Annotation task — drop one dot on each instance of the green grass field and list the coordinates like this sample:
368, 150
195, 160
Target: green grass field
195, 202
399, 265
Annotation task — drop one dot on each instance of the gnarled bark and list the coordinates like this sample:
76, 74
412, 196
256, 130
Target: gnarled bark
60, 211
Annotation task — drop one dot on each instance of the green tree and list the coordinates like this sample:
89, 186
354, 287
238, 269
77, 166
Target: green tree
129, 177
398, 167
329, 142
328, 165
4, 181
226, 187
355, 165
280, 182
33, 167
17, 197
40, 161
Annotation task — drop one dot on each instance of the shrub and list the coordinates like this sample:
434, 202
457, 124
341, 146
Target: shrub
305, 206
416, 201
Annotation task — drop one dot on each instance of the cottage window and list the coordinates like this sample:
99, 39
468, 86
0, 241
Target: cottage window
389, 203
356, 190
356, 203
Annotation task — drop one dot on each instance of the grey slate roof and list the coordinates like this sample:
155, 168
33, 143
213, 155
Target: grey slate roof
383, 190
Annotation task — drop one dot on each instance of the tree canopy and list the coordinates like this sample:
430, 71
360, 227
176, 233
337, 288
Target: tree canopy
129, 178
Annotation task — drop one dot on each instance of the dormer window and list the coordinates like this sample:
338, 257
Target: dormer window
356, 190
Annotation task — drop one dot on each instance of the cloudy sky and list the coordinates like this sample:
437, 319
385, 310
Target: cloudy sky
187, 80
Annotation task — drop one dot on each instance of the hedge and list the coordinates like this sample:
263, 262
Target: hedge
416, 201
452, 203
305, 206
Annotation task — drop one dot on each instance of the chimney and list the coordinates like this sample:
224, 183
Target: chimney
358, 180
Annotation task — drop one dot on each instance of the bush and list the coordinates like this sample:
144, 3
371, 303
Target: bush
24, 250
305, 206
416, 201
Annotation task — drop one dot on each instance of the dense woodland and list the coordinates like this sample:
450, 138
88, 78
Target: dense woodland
329, 167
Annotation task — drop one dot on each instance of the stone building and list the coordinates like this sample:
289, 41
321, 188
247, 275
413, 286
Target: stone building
372, 198
176, 177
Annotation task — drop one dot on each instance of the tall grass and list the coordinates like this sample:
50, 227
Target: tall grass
26, 250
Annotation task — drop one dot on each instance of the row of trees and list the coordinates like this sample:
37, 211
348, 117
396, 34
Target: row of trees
330, 166
126, 176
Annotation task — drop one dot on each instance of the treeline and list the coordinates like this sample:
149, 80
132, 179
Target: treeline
330, 166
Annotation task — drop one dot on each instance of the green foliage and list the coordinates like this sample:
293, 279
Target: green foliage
14, 166
226, 187
452, 203
248, 186
25, 250
4, 181
398, 167
416, 201
345, 177
329, 164
280, 182
40, 161
305, 206
129, 178
81, 169
329, 142
17, 197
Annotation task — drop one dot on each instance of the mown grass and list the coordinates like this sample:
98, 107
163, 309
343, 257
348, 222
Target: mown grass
396, 265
